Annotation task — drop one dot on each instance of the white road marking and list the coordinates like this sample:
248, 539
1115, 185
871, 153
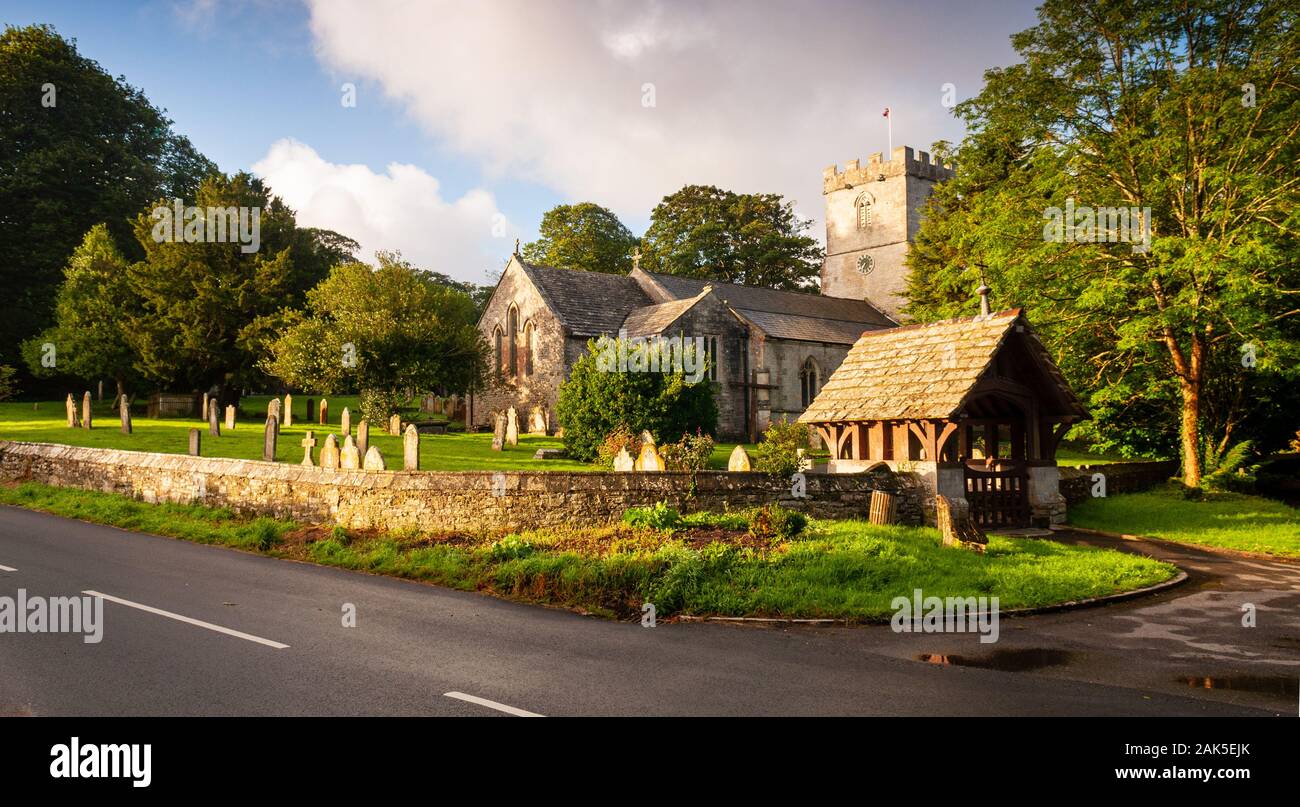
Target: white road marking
7, 569
189, 620
500, 707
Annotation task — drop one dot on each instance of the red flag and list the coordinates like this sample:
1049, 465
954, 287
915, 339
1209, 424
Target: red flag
886, 112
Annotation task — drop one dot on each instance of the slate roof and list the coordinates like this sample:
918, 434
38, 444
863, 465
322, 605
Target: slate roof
653, 319
587, 303
923, 371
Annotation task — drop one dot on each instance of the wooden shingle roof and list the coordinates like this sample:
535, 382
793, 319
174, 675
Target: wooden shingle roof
926, 371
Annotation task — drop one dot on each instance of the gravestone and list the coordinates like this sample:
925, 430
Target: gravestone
310, 409
269, 433
537, 421
395, 425
649, 459
623, 462
195, 438
100, 397
647, 438
426, 403
204, 414
329, 453
451, 406
214, 425
411, 449
124, 409
349, 457
345, 424
73, 420
739, 460
308, 443
953, 519
363, 436
374, 461
324, 411
288, 410
230, 417
512, 427
85, 410
273, 410
498, 431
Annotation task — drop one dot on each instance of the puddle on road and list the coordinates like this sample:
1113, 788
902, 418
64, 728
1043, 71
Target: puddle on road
1273, 684
1007, 660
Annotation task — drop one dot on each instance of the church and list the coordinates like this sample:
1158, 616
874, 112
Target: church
769, 351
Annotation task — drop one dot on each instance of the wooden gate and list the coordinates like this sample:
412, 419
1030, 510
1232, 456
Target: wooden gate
998, 498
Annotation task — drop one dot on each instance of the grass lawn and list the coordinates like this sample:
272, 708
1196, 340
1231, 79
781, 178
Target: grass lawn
1225, 520
838, 569
47, 423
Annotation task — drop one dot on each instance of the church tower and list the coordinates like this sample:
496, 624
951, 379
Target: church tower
873, 211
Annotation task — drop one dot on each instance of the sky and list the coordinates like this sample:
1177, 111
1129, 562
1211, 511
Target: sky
444, 130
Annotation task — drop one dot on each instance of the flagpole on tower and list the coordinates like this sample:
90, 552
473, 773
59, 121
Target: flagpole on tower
889, 120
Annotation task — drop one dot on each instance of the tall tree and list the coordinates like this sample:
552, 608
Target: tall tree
583, 236
77, 148
1187, 112
752, 239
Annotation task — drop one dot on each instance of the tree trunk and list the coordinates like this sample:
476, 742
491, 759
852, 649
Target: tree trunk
1190, 433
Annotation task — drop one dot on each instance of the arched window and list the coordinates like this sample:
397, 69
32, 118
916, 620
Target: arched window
864, 210
497, 356
528, 347
809, 382
513, 328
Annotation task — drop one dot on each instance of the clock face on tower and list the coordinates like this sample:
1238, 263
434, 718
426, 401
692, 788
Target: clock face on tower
866, 263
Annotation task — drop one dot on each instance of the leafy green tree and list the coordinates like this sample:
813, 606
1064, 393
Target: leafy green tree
598, 398
712, 234
1186, 112
383, 331
583, 236
8, 382
79, 148
88, 337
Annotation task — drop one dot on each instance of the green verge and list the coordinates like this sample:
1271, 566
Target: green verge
836, 569
1224, 520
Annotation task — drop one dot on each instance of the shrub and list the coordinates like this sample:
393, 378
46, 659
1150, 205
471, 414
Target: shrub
773, 522
599, 398
511, 547
658, 517
691, 453
378, 406
778, 453
340, 535
620, 438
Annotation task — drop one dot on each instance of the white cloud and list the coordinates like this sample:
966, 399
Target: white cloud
400, 209
751, 96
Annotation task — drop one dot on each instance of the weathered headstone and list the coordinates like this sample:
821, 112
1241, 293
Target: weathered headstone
411, 449
124, 411
85, 410
649, 459
498, 431
395, 425
647, 438
363, 436
288, 410
308, 443
73, 420
230, 417
426, 403
214, 425
450, 406
273, 410
100, 397
204, 414
512, 426
537, 421
195, 442
623, 462
374, 461
739, 460
329, 453
349, 457
310, 410
269, 433
346, 423
324, 411
953, 519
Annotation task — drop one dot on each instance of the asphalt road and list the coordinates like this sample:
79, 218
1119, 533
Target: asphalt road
412, 644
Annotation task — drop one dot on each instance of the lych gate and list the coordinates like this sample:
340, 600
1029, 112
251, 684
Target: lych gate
975, 406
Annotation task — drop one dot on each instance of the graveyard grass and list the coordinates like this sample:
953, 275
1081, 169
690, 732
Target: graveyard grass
847, 570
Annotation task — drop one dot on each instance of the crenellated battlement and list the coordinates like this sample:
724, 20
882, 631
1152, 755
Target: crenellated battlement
903, 161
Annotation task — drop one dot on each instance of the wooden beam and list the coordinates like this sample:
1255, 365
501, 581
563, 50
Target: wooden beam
941, 440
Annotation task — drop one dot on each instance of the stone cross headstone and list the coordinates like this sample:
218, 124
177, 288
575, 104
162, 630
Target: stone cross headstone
73, 420
269, 432
349, 457
195, 442
288, 410
649, 459
739, 460
214, 425
395, 425
498, 431
230, 417
363, 436
124, 410
329, 453
374, 461
537, 421
324, 411
85, 410
346, 423
411, 449
308, 443
623, 462
512, 427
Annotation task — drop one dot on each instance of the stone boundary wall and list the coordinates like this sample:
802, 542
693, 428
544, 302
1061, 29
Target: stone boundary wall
435, 500
1121, 477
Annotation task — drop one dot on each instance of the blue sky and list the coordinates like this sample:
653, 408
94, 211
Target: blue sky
472, 119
